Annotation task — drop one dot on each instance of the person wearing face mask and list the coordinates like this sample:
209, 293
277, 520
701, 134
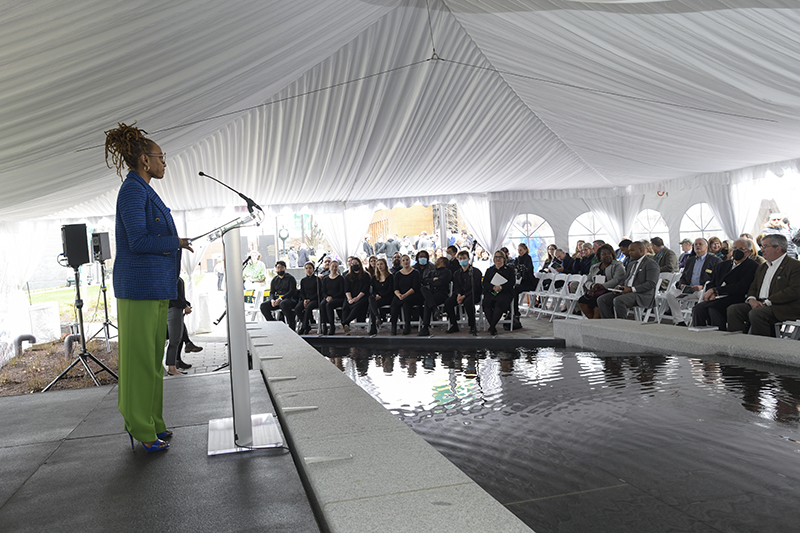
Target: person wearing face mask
282, 296
308, 298
356, 294
425, 268
728, 285
466, 292
451, 254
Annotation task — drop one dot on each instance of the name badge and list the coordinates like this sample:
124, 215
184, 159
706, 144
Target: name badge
709, 271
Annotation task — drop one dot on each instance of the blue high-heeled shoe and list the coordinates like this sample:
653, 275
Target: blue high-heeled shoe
157, 446
166, 434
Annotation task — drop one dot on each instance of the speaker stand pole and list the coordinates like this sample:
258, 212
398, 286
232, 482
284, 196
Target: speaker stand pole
107, 324
84, 355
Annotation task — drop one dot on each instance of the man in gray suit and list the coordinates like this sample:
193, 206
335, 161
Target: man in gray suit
641, 277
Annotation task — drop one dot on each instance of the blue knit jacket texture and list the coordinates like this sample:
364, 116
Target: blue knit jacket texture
148, 256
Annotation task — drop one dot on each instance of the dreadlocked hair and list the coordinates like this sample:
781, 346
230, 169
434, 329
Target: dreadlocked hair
125, 144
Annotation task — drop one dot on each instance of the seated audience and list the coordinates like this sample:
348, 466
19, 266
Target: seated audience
282, 296
728, 285
524, 277
497, 297
466, 292
714, 246
356, 294
382, 292
696, 273
332, 299
586, 261
666, 258
578, 253
686, 246
622, 257
567, 263
639, 287
774, 295
406, 294
307, 298
434, 293
605, 275
551, 255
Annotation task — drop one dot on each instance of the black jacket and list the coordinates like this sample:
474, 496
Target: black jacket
733, 282
462, 285
285, 286
506, 271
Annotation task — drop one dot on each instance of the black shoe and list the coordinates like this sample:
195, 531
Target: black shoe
493, 331
517, 324
474, 332
373, 329
191, 347
181, 364
453, 329
681, 324
424, 332
406, 331
394, 329
507, 327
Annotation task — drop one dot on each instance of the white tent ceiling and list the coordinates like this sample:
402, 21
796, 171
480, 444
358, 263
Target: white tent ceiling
313, 101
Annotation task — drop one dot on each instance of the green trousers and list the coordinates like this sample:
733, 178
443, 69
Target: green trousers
142, 334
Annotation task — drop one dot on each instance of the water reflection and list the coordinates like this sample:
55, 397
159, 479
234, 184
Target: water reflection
409, 382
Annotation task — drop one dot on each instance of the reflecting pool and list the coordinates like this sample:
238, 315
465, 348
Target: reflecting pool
594, 442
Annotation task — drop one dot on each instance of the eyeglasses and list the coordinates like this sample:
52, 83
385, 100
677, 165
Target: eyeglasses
162, 157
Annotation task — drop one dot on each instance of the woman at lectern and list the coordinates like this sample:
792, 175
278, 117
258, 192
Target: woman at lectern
146, 270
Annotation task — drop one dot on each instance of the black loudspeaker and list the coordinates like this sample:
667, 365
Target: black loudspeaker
76, 245
101, 247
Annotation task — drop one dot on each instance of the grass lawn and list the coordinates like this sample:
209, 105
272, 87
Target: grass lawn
92, 305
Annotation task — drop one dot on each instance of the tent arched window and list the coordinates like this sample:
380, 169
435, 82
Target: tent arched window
649, 223
699, 221
587, 228
535, 232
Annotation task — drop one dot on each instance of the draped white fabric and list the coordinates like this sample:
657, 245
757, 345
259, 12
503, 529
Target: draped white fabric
345, 230
616, 214
589, 97
735, 206
489, 220
20, 253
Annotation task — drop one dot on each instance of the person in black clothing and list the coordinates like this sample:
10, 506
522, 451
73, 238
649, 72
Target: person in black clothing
434, 293
406, 294
466, 292
332, 297
525, 280
356, 292
176, 329
425, 267
497, 297
396, 263
382, 292
451, 253
308, 298
583, 264
282, 294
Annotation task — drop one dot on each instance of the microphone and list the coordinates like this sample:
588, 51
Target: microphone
250, 203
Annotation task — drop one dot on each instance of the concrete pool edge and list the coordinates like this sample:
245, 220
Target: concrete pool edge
629, 337
364, 470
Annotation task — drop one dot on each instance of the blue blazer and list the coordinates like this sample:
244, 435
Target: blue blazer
148, 255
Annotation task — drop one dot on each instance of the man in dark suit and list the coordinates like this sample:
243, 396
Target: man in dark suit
696, 273
728, 285
774, 295
641, 277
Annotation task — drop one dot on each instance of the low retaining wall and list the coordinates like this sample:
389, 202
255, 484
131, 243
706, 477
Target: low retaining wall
364, 470
628, 336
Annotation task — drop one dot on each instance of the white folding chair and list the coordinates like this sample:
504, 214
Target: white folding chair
549, 302
252, 304
569, 298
